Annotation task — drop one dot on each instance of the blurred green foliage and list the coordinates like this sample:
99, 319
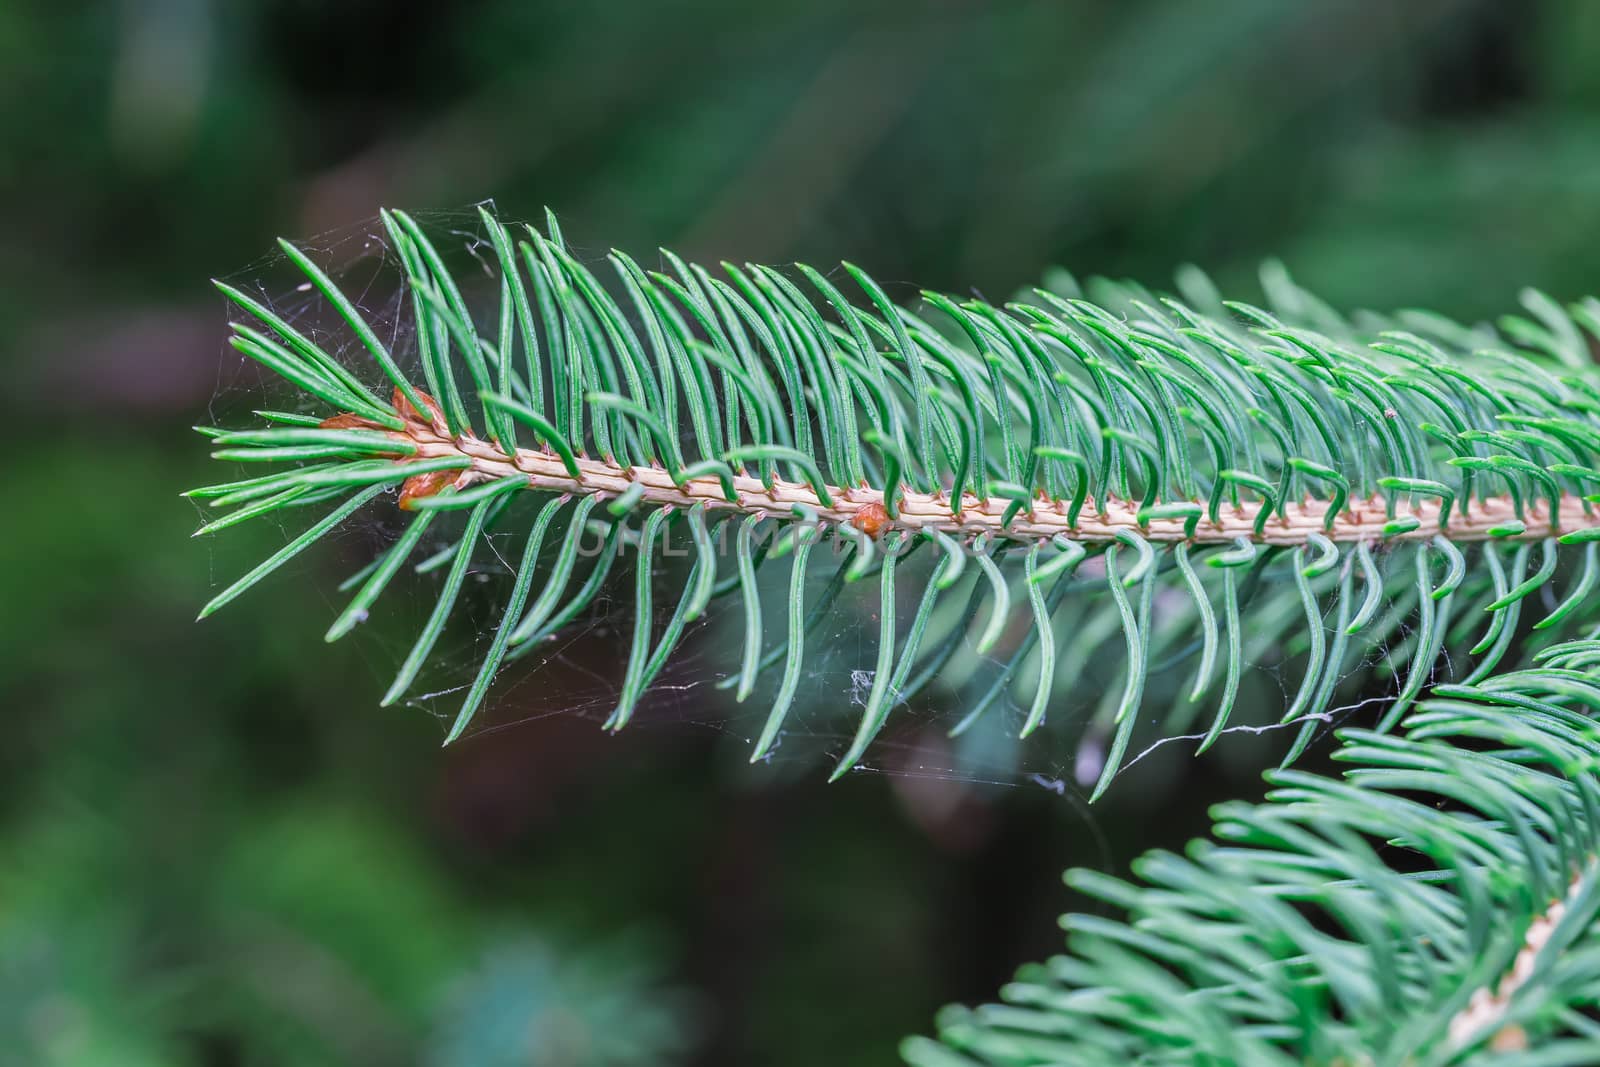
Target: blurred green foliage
215, 849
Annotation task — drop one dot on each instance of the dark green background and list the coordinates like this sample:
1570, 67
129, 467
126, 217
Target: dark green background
215, 849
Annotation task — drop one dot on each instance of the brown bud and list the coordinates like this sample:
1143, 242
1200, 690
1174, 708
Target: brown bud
1509, 1038
870, 519
429, 483
405, 410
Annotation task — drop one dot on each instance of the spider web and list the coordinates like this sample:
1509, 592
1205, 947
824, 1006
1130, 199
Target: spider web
578, 671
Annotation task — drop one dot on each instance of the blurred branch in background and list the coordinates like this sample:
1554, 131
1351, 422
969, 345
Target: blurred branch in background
856, 98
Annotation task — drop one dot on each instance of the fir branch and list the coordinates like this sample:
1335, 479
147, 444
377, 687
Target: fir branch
1274, 455
1435, 906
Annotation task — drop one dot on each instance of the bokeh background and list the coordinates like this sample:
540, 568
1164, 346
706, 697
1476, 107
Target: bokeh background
216, 850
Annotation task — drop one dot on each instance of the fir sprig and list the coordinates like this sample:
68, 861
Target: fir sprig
1434, 906
1262, 464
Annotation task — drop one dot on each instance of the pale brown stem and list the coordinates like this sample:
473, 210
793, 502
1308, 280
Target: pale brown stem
1487, 1008
1361, 520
